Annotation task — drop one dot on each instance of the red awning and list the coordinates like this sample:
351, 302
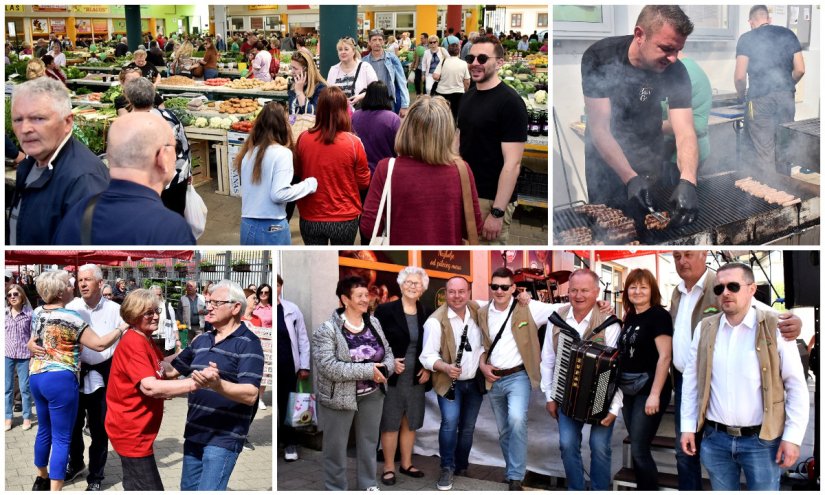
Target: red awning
77, 258
606, 255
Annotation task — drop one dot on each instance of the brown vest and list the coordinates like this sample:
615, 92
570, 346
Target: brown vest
773, 389
526, 334
707, 300
596, 319
442, 381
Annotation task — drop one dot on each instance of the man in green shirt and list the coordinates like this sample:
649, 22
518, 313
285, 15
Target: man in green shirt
420, 48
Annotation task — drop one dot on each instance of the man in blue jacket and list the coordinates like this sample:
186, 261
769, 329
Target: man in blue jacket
389, 69
58, 171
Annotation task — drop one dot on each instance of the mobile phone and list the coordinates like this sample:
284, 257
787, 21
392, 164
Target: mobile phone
384, 371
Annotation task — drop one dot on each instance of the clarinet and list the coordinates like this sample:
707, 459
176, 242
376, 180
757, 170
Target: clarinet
450, 395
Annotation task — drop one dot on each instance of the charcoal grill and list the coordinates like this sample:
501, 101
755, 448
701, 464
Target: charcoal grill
797, 143
728, 215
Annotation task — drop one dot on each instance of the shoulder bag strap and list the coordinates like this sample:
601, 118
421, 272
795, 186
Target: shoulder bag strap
384, 199
86, 222
355, 80
501, 330
466, 196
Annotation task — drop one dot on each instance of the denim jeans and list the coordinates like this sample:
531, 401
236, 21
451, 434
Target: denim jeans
22, 367
206, 467
265, 232
210, 74
688, 467
642, 429
458, 422
510, 398
725, 457
570, 440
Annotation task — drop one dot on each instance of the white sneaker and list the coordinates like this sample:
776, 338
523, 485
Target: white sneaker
373, 489
291, 453
261, 404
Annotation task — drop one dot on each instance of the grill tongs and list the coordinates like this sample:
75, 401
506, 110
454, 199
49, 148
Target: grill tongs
658, 216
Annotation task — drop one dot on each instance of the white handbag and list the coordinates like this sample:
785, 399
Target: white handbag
386, 197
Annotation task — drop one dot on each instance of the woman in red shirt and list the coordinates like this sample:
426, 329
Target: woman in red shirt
331, 153
136, 390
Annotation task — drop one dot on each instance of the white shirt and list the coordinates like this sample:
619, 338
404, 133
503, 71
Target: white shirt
548, 355
736, 381
260, 65
431, 350
103, 319
681, 324
506, 354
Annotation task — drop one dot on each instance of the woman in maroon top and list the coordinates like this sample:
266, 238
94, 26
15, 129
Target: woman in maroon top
426, 187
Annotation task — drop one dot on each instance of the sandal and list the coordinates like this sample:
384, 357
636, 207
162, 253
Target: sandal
409, 472
388, 480
27, 425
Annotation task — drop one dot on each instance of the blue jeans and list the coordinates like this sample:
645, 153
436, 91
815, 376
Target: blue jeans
510, 398
22, 367
570, 440
458, 422
210, 74
725, 457
56, 398
689, 467
206, 467
265, 232
642, 429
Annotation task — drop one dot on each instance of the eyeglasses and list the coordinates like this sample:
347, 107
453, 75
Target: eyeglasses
482, 59
504, 287
215, 303
13, 294
731, 286
433, 42
412, 283
151, 313
108, 295
264, 292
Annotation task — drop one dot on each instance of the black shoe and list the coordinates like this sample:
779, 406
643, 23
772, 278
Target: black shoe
515, 486
18, 408
93, 487
73, 472
247, 445
461, 472
42, 484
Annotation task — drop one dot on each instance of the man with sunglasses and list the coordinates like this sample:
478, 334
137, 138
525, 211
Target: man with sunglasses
388, 68
220, 413
692, 300
624, 81
492, 124
744, 390
102, 315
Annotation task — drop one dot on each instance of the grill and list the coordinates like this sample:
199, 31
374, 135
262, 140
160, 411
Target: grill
727, 216
797, 144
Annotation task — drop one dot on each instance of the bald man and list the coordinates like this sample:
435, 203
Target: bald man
141, 154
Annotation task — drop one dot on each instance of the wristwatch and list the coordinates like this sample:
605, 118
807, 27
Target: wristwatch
497, 212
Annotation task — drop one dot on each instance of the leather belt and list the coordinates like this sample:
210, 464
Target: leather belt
735, 431
508, 372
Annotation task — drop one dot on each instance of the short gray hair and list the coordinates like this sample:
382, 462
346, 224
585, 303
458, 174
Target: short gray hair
413, 270
45, 86
96, 271
140, 93
140, 52
234, 292
51, 284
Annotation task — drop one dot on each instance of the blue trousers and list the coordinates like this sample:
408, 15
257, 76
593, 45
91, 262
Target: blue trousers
458, 422
22, 368
206, 467
570, 438
56, 399
725, 457
510, 398
264, 231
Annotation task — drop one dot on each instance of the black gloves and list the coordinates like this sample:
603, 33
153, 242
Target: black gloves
685, 205
638, 190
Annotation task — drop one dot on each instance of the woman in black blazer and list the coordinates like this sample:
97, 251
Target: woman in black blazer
403, 324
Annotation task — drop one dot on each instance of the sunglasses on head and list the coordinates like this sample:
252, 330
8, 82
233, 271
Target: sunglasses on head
731, 286
504, 287
482, 59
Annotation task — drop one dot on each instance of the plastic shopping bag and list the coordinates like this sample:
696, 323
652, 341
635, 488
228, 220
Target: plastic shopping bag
301, 410
195, 212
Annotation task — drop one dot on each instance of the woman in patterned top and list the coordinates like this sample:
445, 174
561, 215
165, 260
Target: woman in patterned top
18, 331
57, 334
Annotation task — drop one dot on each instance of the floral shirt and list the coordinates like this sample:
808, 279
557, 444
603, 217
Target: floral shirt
58, 331
364, 347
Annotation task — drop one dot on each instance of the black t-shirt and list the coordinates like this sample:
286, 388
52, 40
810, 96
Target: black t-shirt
487, 119
156, 59
637, 344
635, 105
770, 51
149, 71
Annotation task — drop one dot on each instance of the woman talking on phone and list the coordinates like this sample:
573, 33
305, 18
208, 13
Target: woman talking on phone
307, 84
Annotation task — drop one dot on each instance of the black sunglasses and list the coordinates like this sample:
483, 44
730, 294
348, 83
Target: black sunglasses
504, 287
732, 286
482, 59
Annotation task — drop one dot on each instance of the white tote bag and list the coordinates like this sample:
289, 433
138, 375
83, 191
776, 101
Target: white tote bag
386, 197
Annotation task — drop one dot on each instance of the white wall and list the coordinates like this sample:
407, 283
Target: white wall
716, 58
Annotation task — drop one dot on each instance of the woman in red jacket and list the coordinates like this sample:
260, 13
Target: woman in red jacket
331, 153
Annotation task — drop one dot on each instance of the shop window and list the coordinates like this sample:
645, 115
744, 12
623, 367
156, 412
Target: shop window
541, 21
515, 20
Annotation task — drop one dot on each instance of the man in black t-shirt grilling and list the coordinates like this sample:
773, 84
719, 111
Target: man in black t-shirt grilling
624, 80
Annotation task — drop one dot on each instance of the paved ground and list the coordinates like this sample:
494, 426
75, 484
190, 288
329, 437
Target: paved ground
252, 472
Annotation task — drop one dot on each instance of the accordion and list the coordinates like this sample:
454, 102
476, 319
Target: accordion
586, 373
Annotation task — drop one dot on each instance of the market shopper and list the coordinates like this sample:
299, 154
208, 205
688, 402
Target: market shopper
209, 60
351, 74
376, 124
336, 158
139, 174
492, 122
182, 58
388, 68
427, 198
453, 78
192, 310
266, 170
122, 48
432, 59
769, 64
260, 63
167, 333
418, 63
35, 68
219, 414
147, 69
18, 331
302, 97
57, 53
53, 71
121, 103
59, 170
155, 56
